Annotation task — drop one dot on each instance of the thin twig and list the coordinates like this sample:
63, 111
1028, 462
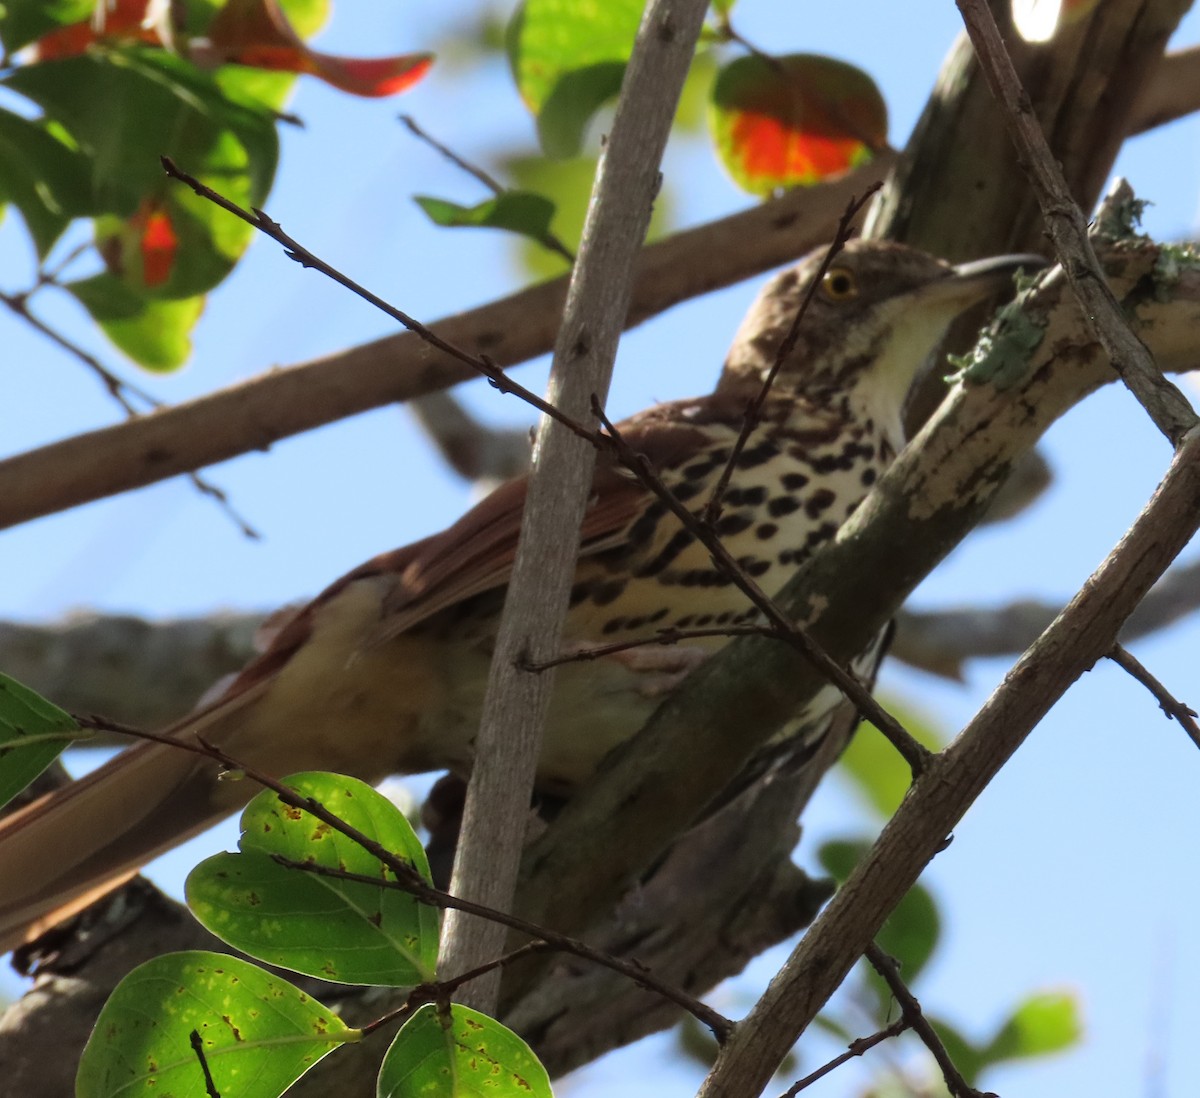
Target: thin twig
663, 637
296, 251
492, 184
438, 991
855, 1049
410, 881
753, 414
197, 1043
1067, 226
887, 967
914, 753
118, 388
1169, 704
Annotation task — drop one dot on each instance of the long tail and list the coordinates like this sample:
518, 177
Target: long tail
72, 846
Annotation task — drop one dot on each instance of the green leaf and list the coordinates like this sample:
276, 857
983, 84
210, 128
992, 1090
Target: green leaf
157, 335
912, 930
33, 733
1044, 1023
568, 58
43, 176
347, 931
463, 1055
875, 767
520, 212
794, 120
259, 1033
24, 21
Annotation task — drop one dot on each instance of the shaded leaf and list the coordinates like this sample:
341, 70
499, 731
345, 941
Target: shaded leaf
873, 765
568, 59
259, 1033
43, 176
912, 930
794, 120
460, 1053
518, 212
33, 733
347, 931
25, 21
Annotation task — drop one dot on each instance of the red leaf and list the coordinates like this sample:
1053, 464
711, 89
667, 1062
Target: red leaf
158, 246
124, 20
258, 34
795, 120
140, 250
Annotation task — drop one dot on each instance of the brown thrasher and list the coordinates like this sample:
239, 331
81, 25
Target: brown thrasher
384, 671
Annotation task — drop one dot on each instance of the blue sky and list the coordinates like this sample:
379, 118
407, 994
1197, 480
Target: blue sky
1072, 870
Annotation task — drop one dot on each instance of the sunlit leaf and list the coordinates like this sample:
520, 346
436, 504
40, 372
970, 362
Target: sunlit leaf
258, 33
156, 334
460, 1053
1044, 1023
323, 926
794, 120
33, 733
1040, 20
568, 59
259, 1033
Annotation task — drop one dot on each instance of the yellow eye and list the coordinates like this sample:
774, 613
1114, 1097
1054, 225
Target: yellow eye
839, 284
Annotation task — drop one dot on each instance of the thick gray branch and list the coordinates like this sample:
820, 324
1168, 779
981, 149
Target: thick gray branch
517, 701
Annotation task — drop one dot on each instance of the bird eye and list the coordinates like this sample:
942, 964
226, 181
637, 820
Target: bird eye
839, 284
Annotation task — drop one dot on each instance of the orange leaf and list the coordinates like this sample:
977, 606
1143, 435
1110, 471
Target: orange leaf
158, 246
126, 19
258, 34
794, 120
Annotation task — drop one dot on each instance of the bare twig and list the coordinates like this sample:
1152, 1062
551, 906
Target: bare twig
664, 637
1170, 705
121, 391
293, 249
753, 414
1067, 226
197, 1043
887, 967
408, 880
283, 402
546, 239
855, 1049
914, 753
1081, 634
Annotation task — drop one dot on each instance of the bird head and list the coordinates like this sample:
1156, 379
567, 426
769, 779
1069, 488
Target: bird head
878, 312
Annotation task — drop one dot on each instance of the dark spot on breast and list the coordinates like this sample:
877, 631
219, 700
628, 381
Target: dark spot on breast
580, 592
734, 524
703, 619
819, 502
822, 533
756, 455
678, 542
753, 566
643, 528
657, 616
607, 591
793, 482
686, 489
869, 476
782, 505
746, 497
613, 625
766, 531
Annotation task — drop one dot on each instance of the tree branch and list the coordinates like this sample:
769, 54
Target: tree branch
517, 701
